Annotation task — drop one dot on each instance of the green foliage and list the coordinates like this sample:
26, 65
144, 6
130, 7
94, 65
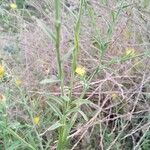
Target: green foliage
20, 3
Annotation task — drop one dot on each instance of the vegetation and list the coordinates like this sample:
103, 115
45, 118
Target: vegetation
75, 75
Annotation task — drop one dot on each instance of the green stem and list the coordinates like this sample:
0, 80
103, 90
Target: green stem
62, 135
57, 44
76, 48
61, 138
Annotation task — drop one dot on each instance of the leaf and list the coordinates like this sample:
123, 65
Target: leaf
49, 81
15, 125
52, 127
2, 125
113, 14
83, 115
69, 10
56, 99
146, 3
55, 109
16, 144
73, 119
67, 55
46, 30
55, 126
20, 138
73, 110
147, 53
80, 102
65, 98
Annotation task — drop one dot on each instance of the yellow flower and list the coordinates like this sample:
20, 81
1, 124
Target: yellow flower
2, 71
2, 98
13, 6
129, 52
18, 82
36, 120
80, 71
114, 96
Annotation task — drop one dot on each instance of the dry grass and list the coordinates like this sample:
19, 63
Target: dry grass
119, 89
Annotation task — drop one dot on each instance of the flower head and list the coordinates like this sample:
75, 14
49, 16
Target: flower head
36, 120
114, 96
129, 52
80, 71
18, 82
13, 6
2, 98
2, 71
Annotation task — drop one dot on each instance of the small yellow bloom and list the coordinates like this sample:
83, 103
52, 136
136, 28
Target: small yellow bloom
2, 98
114, 96
18, 82
80, 71
2, 71
129, 52
13, 6
36, 120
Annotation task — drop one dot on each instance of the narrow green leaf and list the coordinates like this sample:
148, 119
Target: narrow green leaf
113, 15
15, 145
80, 102
67, 55
55, 109
56, 99
20, 139
46, 30
52, 127
83, 115
65, 98
73, 119
49, 81
55, 126
73, 110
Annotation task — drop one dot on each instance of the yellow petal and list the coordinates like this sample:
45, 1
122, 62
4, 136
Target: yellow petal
2, 71
114, 96
2, 98
36, 120
13, 6
80, 71
129, 52
18, 82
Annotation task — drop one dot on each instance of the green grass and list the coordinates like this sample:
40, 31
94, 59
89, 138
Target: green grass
42, 45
